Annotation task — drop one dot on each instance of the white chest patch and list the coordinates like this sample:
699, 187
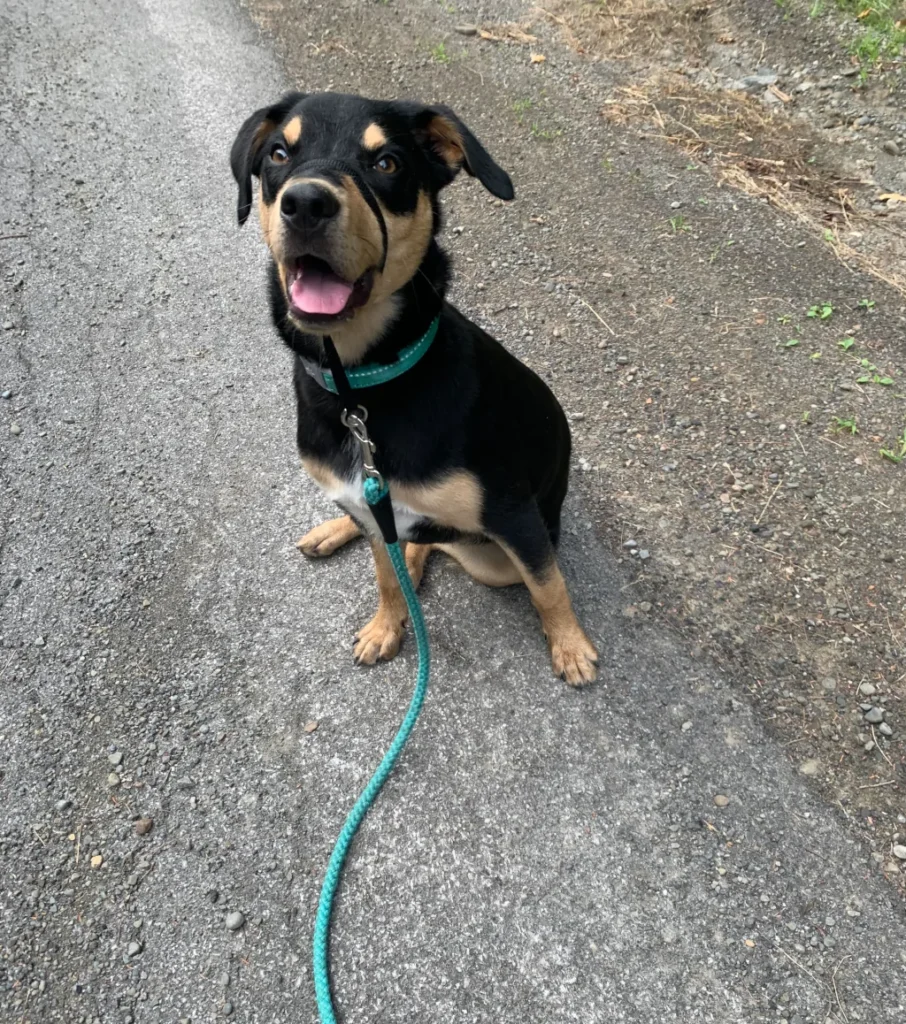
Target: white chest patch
350, 497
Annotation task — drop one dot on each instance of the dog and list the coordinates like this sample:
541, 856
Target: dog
473, 445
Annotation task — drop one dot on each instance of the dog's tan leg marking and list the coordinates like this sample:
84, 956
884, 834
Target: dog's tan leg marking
381, 638
416, 557
487, 563
573, 657
323, 540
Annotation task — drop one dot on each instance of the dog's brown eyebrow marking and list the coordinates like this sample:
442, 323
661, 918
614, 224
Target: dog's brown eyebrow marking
373, 137
292, 130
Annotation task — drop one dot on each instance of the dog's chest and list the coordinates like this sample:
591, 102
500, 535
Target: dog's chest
347, 493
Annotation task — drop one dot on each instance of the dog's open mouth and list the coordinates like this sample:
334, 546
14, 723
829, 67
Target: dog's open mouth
316, 292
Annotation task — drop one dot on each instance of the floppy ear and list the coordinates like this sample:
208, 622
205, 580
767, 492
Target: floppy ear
246, 154
448, 138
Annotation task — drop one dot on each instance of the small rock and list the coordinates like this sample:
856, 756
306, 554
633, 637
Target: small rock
645, 606
15, 429
97, 860
868, 689
686, 726
7, 394
143, 826
116, 758
810, 767
630, 544
113, 780
235, 921
8, 325
721, 801
675, 205
134, 948
891, 147
644, 555
311, 726
466, 30
899, 852
885, 730
227, 1009
874, 717
63, 805
829, 684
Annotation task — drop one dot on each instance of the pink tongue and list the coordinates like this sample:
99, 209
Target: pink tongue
319, 291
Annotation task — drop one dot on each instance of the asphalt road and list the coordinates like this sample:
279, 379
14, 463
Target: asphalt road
542, 855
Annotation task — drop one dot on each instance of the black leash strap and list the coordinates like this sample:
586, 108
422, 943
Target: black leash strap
354, 418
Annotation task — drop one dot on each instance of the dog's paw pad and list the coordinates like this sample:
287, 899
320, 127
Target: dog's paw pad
378, 641
574, 659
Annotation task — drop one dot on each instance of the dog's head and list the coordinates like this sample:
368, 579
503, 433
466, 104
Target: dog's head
348, 195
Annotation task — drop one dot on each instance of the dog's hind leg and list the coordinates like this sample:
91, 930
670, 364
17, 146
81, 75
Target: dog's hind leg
323, 540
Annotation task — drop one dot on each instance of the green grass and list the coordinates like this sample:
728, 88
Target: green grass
547, 134
439, 54
847, 423
678, 224
820, 311
898, 453
881, 33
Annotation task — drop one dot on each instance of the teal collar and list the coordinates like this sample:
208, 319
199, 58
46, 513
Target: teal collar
375, 373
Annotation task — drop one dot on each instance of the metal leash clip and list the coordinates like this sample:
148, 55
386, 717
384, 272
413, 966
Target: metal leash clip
354, 422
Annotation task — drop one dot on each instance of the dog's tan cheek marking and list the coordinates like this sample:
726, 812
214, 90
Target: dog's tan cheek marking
361, 234
456, 500
408, 236
292, 130
373, 137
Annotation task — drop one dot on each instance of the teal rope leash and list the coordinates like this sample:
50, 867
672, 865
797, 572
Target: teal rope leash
375, 491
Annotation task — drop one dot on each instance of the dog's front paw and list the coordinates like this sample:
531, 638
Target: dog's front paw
574, 659
323, 540
380, 640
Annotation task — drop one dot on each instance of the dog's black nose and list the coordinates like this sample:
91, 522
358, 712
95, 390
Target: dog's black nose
308, 205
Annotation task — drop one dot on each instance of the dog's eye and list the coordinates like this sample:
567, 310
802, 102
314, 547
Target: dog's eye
386, 165
279, 154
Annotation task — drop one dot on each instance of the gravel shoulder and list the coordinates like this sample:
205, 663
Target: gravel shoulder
647, 850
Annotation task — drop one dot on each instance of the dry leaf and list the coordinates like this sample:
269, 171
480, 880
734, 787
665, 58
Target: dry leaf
538, 58
97, 860
750, 943
892, 197
507, 34
726, 40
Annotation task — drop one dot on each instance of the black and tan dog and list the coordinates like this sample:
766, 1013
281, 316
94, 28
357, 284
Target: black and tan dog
474, 446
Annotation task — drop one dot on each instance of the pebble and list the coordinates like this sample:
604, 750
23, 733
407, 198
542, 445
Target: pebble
885, 730
630, 544
7, 394
868, 689
810, 767
7, 325
721, 801
644, 555
899, 852
113, 780
874, 717
143, 826
891, 147
116, 758
134, 948
15, 429
466, 30
227, 1009
63, 805
829, 684
235, 921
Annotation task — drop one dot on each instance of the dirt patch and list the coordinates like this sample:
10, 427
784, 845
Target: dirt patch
757, 132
